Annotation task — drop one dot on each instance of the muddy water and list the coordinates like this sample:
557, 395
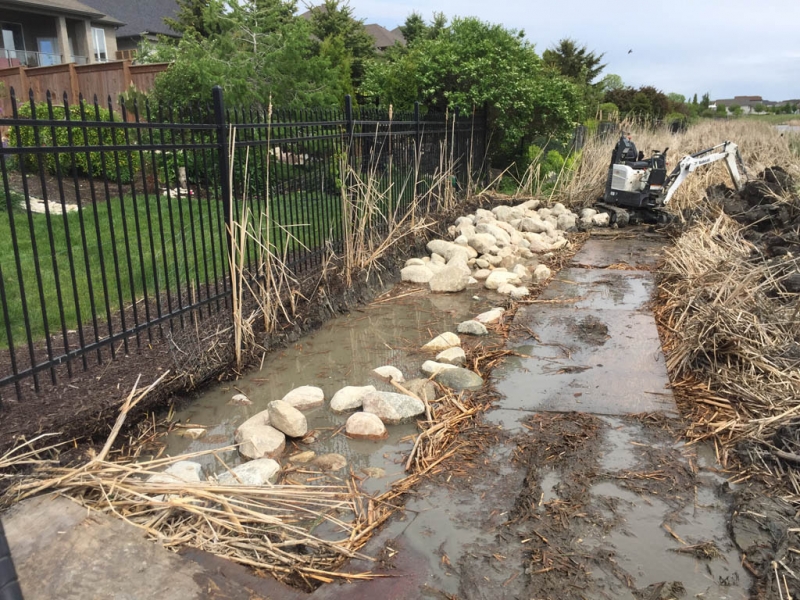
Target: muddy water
343, 352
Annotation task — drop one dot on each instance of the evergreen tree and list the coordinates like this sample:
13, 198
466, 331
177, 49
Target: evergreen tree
414, 28
335, 19
574, 61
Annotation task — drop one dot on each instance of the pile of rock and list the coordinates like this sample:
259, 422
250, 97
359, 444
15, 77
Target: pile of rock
497, 247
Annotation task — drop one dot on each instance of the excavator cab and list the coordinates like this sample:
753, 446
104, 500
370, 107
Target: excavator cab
633, 180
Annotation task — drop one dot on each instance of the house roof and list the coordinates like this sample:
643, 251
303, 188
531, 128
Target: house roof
382, 36
63, 7
140, 17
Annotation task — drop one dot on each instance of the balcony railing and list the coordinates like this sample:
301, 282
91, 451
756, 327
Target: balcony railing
15, 58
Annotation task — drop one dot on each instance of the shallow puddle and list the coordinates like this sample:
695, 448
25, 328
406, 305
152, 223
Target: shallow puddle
342, 352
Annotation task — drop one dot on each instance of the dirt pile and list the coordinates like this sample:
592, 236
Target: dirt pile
770, 208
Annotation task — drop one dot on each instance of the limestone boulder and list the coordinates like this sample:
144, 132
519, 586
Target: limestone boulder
183, 471
541, 273
350, 397
256, 440
431, 367
490, 316
286, 418
365, 426
423, 388
452, 356
305, 397
459, 379
449, 279
482, 242
389, 372
240, 400
442, 342
416, 274
263, 471
330, 462
498, 278
472, 327
392, 408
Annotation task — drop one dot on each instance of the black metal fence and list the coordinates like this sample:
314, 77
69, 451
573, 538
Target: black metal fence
115, 220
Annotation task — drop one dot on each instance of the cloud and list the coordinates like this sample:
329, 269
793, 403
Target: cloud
725, 47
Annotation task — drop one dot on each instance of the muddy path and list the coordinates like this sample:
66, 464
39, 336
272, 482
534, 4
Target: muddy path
576, 483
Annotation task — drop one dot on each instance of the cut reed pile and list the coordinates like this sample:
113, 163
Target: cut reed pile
732, 339
302, 534
760, 144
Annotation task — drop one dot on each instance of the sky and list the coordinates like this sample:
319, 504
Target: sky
724, 47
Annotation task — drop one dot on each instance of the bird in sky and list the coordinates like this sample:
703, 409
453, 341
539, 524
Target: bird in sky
629, 51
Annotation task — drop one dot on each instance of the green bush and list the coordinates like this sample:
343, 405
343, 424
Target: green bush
73, 157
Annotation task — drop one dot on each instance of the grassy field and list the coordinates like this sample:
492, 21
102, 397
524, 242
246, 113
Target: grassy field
775, 119
115, 271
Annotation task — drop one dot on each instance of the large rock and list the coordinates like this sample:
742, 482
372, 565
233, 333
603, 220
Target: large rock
533, 225
472, 327
498, 232
365, 426
286, 418
601, 220
240, 400
541, 273
330, 462
482, 242
259, 441
442, 342
350, 397
256, 472
305, 397
459, 263
423, 388
459, 379
416, 274
498, 278
414, 262
392, 408
431, 367
449, 249
481, 274
518, 293
452, 356
450, 279
490, 316
566, 221
390, 372
183, 471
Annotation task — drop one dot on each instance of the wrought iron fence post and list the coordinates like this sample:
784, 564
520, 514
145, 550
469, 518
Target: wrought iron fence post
349, 127
224, 160
418, 127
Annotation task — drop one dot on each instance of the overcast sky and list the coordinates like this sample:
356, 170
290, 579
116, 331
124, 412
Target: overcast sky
724, 47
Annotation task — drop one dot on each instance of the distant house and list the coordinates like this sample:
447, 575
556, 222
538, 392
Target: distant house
38, 33
748, 103
383, 38
144, 20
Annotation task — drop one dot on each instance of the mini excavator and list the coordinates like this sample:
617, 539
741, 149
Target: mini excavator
638, 188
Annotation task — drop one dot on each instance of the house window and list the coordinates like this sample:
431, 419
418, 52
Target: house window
48, 52
13, 45
100, 52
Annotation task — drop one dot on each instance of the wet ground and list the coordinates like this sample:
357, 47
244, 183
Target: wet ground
574, 484
343, 352
601, 503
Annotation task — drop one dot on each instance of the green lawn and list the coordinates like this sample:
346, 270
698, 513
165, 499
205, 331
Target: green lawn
105, 269
175, 257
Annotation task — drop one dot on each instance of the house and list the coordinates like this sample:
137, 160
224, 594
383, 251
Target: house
144, 20
383, 37
38, 33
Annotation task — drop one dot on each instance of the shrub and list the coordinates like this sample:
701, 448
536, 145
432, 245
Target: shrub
84, 163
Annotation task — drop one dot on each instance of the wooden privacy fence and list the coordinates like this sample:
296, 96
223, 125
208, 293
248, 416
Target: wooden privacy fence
101, 79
